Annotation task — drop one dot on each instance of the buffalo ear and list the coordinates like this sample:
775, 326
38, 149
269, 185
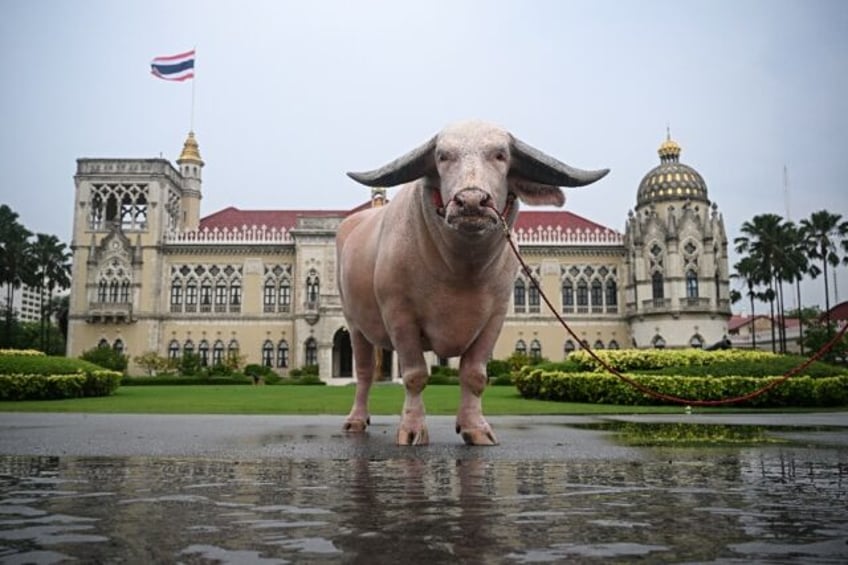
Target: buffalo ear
535, 166
417, 163
536, 193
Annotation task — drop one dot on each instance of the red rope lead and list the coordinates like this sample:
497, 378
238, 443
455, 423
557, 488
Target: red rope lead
648, 391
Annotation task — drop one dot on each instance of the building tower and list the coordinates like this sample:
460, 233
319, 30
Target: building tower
190, 168
676, 250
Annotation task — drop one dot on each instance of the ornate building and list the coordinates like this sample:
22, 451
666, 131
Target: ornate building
149, 274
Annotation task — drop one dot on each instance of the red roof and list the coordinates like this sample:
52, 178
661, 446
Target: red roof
736, 321
232, 217
838, 312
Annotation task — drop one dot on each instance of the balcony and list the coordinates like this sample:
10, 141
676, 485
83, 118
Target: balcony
656, 305
110, 312
694, 304
310, 310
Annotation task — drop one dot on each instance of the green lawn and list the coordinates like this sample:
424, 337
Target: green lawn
385, 400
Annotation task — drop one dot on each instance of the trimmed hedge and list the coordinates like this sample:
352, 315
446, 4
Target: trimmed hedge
604, 388
50, 387
170, 380
27, 375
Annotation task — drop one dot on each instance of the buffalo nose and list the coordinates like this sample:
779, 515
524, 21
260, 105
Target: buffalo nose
472, 198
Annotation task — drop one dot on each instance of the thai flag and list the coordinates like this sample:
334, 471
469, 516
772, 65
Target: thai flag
174, 67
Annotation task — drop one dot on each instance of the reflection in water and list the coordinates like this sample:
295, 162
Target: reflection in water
673, 505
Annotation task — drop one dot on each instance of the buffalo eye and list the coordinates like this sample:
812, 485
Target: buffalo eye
500, 156
444, 156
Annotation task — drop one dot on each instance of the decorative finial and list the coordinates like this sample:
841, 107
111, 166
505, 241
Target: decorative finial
669, 150
191, 150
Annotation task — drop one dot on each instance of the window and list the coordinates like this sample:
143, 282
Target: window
612, 296
203, 350
113, 291
613, 344
218, 353
103, 343
567, 296
569, 347
658, 342
173, 350
101, 291
691, 284
235, 294
521, 347
533, 298
267, 353
233, 349
220, 296
191, 296
598, 344
188, 348
535, 350
125, 292
311, 350
597, 296
268, 296
312, 290
285, 296
283, 354
519, 296
657, 290
176, 296
582, 297
205, 296
696, 342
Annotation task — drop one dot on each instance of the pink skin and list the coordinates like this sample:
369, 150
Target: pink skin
415, 278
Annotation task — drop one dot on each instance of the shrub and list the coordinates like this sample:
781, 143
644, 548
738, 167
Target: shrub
306, 370
169, 380
189, 365
107, 358
43, 365
153, 363
443, 371
48, 387
497, 367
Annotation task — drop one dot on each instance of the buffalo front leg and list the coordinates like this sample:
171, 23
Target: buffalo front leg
470, 423
412, 429
363, 359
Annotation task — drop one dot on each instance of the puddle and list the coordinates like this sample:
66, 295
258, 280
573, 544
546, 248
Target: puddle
762, 502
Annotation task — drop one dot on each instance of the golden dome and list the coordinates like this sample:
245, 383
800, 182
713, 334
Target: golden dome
671, 180
191, 151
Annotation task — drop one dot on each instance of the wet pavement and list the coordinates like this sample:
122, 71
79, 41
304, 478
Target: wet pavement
285, 489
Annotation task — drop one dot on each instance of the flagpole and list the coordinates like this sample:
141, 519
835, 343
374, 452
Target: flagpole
193, 82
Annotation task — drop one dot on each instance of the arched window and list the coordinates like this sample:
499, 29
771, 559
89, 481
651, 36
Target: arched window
125, 292
118, 346
220, 295
269, 295
533, 299
582, 297
218, 353
569, 347
521, 347
691, 284
535, 350
235, 294
312, 291
267, 353
657, 288
285, 296
103, 343
176, 296
283, 354
598, 344
233, 349
191, 296
188, 347
658, 342
612, 296
206, 296
519, 295
173, 349
613, 345
203, 351
567, 296
697, 341
311, 351
597, 296
113, 291
101, 291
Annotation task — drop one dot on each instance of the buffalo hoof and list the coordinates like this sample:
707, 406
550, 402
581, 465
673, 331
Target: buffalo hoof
409, 437
479, 436
356, 426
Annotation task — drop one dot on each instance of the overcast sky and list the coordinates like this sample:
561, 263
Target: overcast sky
290, 95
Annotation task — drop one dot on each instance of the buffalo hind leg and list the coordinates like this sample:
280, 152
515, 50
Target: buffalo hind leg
363, 358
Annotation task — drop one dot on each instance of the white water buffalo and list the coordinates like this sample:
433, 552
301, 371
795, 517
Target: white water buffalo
431, 270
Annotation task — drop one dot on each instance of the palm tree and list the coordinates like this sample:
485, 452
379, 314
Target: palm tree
822, 232
53, 268
762, 242
794, 265
15, 261
746, 269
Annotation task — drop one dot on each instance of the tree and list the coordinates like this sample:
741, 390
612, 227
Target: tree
822, 233
15, 261
762, 240
51, 260
746, 270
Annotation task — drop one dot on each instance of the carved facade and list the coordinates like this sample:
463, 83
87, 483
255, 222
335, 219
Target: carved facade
149, 274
